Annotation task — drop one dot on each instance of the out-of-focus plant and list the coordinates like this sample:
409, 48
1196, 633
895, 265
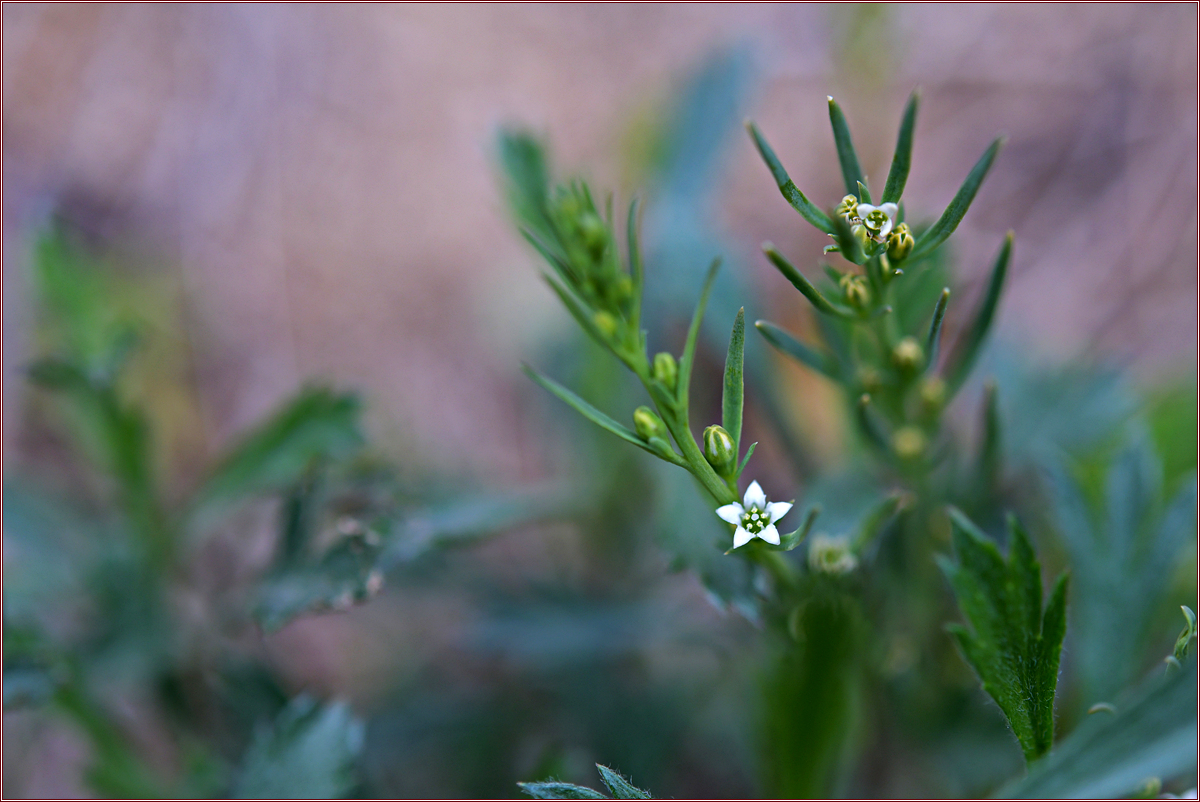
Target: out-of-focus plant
881, 319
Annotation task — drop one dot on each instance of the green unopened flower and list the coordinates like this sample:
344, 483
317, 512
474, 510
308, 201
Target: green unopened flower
606, 322
908, 355
900, 242
754, 517
908, 442
593, 232
719, 450
933, 394
831, 554
666, 370
848, 208
856, 290
647, 424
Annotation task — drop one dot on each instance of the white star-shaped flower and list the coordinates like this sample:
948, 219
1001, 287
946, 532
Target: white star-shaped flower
754, 517
878, 220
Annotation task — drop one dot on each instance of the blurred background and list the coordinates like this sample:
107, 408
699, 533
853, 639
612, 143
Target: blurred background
285, 196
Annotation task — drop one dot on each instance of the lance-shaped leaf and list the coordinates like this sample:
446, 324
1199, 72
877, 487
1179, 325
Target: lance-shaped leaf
1152, 734
818, 360
877, 519
988, 468
805, 286
870, 425
594, 415
1011, 643
967, 350
790, 540
934, 340
689, 346
944, 227
852, 174
733, 388
527, 178
790, 193
635, 264
902, 159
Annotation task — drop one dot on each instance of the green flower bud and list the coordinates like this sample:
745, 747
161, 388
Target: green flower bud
907, 356
624, 287
831, 555
869, 380
606, 322
647, 424
665, 370
933, 395
900, 242
856, 291
908, 442
593, 232
720, 451
863, 236
848, 208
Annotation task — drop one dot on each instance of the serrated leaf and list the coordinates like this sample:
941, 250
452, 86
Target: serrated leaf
552, 789
345, 575
733, 388
902, 160
620, 787
1151, 735
788, 187
967, 350
944, 227
852, 174
818, 360
308, 753
315, 424
1013, 647
594, 415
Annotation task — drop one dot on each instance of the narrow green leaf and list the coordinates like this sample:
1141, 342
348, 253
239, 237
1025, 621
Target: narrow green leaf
579, 311
902, 160
1012, 646
934, 340
309, 753
635, 264
555, 259
731, 394
852, 174
967, 350
689, 346
870, 426
746, 459
620, 787
791, 194
527, 177
848, 245
805, 286
553, 789
989, 452
820, 361
944, 227
1152, 734
877, 518
591, 413
790, 540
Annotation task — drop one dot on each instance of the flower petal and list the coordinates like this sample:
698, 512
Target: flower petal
770, 534
778, 509
731, 513
887, 228
741, 537
865, 209
755, 497
890, 209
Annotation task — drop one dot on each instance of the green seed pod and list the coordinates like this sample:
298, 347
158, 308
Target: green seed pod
907, 356
647, 424
908, 442
720, 451
900, 242
606, 323
665, 370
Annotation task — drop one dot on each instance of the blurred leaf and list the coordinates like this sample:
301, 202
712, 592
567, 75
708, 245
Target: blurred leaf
620, 787
816, 359
1152, 735
934, 339
313, 425
805, 286
1187, 635
527, 178
731, 395
1012, 646
967, 349
1171, 415
689, 347
346, 575
309, 752
902, 159
957, 209
1122, 556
